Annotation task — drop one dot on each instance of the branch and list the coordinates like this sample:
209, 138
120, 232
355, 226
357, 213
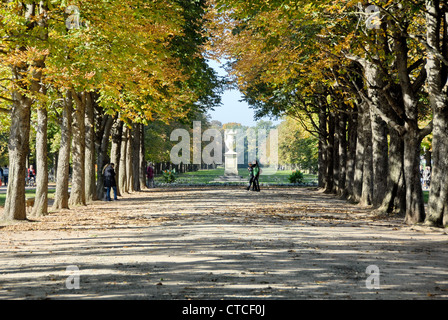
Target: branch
434, 51
75, 97
425, 131
416, 64
361, 61
4, 110
7, 99
421, 79
391, 122
392, 102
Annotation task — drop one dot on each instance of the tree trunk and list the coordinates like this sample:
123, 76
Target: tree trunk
378, 133
41, 199
129, 165
415, 210
62, 179
122, 177
360, 152
342, 151
27, 77
77, 194
135, 149
142, 175
18, 150
90, 190
351, 151
379, 158
115, 150
367, 169
394, 198
101, 145
330, 155
336, 144
323, 146
438, 195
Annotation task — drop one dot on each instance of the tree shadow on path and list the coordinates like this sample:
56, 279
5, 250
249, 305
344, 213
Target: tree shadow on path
222, 243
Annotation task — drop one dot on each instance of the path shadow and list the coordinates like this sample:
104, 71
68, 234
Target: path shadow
230, 253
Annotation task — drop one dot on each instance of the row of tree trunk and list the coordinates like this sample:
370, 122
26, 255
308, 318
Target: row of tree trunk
87, 137
357, 163
91, 134
364, 160
371, 153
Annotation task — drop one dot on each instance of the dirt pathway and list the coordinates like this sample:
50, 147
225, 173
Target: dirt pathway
221, 243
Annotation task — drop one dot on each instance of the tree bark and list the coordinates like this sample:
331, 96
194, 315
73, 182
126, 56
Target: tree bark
115, 150
77, 194
394, 198
63, 171
104, 123
41, 199
415, 210
351, 152
27, 76
129, 165
412, 138
379, 158
438, 195
374, 78
142, 175
18, 150
323, 146
360, 152
330, 155
90, 190
342, 151
367, 169
122, 177
336, 144
135, 149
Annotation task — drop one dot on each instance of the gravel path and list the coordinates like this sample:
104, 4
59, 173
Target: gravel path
221, 243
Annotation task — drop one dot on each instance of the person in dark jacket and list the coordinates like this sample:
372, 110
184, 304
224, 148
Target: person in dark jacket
256, 185
251, 175
109, 181
150, 175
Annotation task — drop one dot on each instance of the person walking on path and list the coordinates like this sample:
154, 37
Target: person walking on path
426, 178
5, 175
31, 176
251, 175
150, 175
256, 185
110, 182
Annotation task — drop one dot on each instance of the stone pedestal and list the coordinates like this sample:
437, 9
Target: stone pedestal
231, 164
231, 160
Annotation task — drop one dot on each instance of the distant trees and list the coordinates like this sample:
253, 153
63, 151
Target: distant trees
297, 147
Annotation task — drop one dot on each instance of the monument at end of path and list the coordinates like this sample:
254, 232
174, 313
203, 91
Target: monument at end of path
230, 160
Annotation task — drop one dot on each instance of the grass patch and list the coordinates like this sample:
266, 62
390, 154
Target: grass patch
29, 193
425, 196
208, 176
